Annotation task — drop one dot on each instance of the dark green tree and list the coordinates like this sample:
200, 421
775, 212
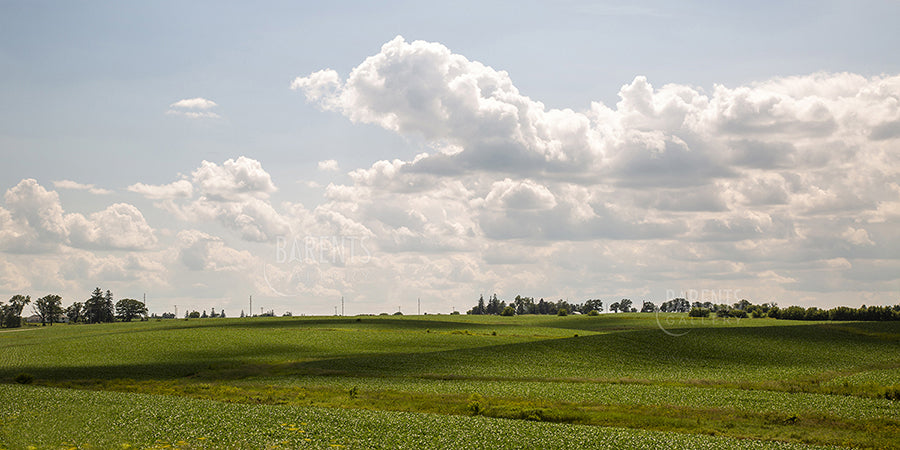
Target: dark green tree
11, 314
614, 307
99, 308
592, 305
625, 305
75, 312
648, 307
49, 307
479, 308
129, 308
109, 307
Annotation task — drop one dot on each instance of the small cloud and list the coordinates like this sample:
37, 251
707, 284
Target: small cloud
857, 236
178, 189
194, 103
194, 108
328, 165
69, 184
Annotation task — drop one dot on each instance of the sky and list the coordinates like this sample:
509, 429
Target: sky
409, 153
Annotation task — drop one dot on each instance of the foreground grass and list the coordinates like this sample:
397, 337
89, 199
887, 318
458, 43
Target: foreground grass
760, 379
42, 417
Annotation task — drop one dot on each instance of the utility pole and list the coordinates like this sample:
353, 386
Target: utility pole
342, 305
251, 306
419, 306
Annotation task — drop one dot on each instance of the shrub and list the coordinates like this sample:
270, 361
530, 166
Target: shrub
562, 312
24, 378
593, 313
476, 404
793, 313
698, 312
508, 311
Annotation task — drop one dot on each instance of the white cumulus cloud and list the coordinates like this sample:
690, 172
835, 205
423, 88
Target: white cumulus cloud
194, 108
171, 191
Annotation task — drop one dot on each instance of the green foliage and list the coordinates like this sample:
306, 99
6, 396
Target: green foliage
24, 378
129, 308
562, 312
476, 404
698, 312
593, 312
99, 308
508, 311
49, 307
11, 313
75, 312
792, 313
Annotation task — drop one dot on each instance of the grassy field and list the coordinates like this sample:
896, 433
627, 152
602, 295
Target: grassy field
613, 381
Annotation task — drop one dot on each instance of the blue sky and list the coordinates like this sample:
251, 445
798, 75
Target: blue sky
88, 90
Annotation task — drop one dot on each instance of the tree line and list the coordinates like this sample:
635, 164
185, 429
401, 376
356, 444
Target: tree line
526, 305
741, 309
99, 308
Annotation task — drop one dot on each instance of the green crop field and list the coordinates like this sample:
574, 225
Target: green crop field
611, 381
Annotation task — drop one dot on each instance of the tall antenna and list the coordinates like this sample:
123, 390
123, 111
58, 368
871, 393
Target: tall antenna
176, 311
251, 306
342, 305
419, 306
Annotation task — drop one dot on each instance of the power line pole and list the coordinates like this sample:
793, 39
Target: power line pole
342, 305
251, 306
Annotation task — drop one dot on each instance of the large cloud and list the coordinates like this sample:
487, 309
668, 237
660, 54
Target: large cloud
765, 182
120, 226
37, 223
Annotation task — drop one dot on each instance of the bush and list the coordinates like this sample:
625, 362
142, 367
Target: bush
698, 312
476, 404
562, 312
593, 313
508, 311
24, 378
793, 313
